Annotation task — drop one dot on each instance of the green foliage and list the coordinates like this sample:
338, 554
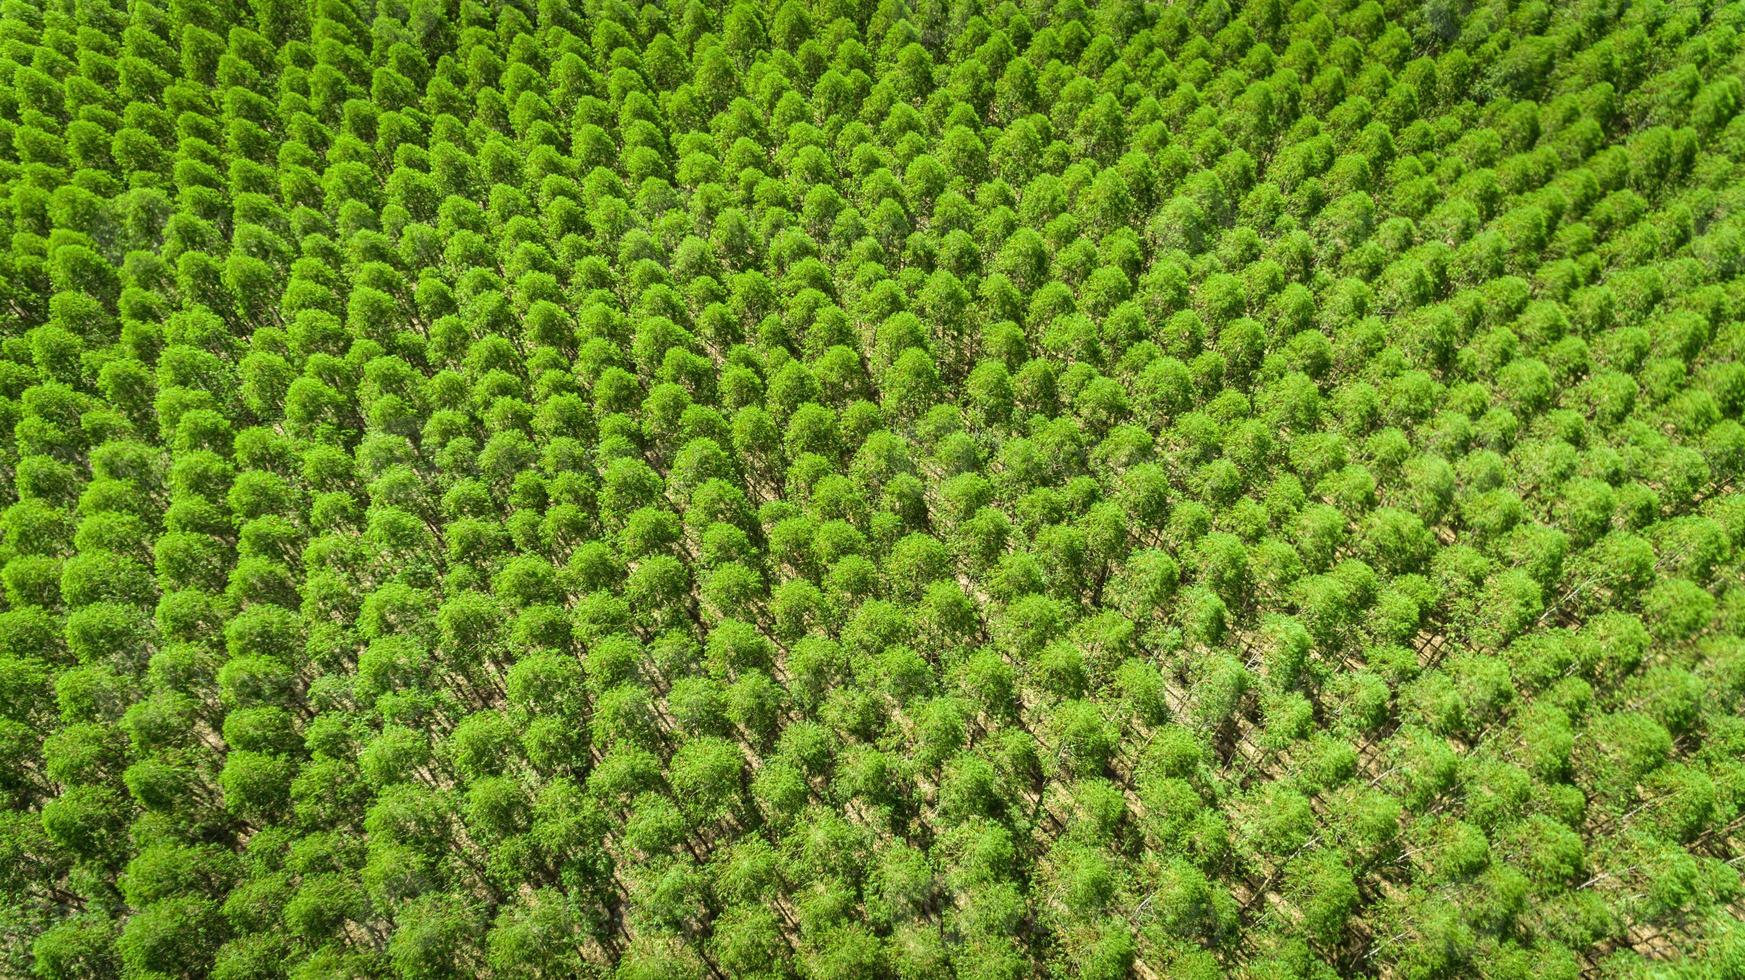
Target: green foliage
546, 489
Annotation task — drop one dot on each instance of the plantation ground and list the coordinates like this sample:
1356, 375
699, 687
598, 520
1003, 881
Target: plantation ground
544, 489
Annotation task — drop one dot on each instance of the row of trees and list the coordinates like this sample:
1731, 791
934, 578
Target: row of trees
532, 490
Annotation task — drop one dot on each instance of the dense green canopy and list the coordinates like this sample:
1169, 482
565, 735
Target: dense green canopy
537, 489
